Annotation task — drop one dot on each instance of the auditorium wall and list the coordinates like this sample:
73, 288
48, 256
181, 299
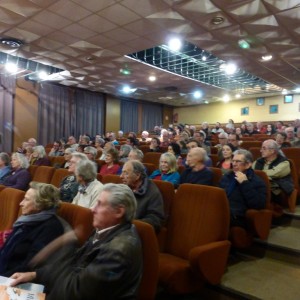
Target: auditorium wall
221, 112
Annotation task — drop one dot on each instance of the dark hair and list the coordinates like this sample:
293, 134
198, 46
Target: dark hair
236, 136
114, 154
193, 141
157, 139
176, 148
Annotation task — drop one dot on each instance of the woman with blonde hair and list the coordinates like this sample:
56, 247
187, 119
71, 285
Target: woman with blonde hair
167, 169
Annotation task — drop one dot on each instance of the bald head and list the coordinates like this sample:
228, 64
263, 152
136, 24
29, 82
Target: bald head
196, 157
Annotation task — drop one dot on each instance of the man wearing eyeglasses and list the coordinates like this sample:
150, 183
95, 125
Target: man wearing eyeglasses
277, 167
244, 189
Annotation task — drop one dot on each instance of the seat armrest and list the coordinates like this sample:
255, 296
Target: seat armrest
161, 238
209, 261
259, 222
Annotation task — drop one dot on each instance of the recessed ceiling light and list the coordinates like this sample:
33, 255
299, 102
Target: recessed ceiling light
297, 90
267, 57
152, 78
243, 44
238, 96
11, 68
11, 43
217, 20
284, 92
226, 98
175, 44
43, 75
197, 94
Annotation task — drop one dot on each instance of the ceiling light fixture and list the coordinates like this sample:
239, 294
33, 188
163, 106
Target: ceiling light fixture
43, 75
284, 92
152, 78
226, 98
267, 57
197, 94
243, 44
175, 44
217, 20
238, 96
11, 67
11, 42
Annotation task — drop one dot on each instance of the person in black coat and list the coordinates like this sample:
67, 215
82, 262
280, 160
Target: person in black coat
35, 229
244, 189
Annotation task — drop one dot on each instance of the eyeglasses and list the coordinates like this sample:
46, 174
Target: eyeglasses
236, 161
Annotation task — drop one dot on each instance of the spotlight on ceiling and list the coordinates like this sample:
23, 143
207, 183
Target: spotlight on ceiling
226, 98
284, 92
217, 20
230, 68
11, 43
297, 90
175, 44
43, 75
127, 89
11, 67
152, 78
237, 95
267, 57
197, 94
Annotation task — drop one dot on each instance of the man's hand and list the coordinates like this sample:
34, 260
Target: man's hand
22, 277
240, 177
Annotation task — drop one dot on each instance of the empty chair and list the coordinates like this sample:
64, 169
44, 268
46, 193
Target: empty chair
147, 289
58, 176
258, 221
152, 158
10, 200
196, 246
111, 179
43, 174
80, 218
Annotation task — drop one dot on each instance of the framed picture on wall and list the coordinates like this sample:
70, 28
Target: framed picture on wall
273, 109
288, 98
244, 111
260, 101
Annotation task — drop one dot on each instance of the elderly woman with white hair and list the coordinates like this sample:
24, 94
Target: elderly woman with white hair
34, 229
20, 176
39, 157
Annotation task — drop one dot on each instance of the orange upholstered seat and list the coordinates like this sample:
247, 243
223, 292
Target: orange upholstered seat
43, 174
58, 176
9, 207
196, 246
148, 285
111, 179
152, 158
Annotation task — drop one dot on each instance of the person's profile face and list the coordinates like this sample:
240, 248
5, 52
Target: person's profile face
28, 205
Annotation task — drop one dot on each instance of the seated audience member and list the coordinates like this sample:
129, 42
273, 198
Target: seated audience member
200, 137
164, 140
196, 172
91, 153
290, 136
150, 208
167, 169
32, 142
277, 167
89, 187
72, 142
136, 154
69, 185
19, 177
28, 152
244, 189
281, 140
5, 168
238, 132
34, 229
145, 137
225, 164
124, 152
22, 148
279, 126
205, 128
192, 143
99, 143
57, 149
217, 129
250, 129
174, 148
107, 146
155, 145
39, 157
67, 156
108, 265
261, 128
112, 138
223, 140
111, 165
84, 140
234, 140
135, 141
80, 148
270, 129
120, 134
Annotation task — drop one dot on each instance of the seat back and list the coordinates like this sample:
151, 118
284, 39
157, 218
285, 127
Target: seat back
168, 193
199, 215
152, 158
217, 175
255, 151
58, 176
214, 159
43, 174
32, 169
58, 161
80, 219
147, 288
266, 180
150, 168
10, 200
248, 144
294, 154
111, 179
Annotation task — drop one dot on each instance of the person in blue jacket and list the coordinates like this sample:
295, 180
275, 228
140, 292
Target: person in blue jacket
167, 169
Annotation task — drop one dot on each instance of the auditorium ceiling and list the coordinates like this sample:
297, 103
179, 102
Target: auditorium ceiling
99, 45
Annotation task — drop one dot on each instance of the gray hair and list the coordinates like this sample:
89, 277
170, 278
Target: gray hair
91, 150
139, 153
138, 168
273, 145
40, 151
126, 149
46, 195
121, 195
86, 169
5, 158
70, 150
247, 154
80, 156
223, 135
22, 159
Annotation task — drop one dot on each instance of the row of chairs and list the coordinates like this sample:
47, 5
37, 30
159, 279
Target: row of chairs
194, 246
